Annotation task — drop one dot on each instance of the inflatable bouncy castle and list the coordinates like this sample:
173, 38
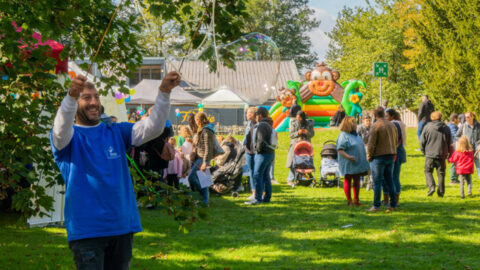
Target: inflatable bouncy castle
319, 96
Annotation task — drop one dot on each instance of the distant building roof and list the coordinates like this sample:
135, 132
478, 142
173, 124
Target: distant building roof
248, 77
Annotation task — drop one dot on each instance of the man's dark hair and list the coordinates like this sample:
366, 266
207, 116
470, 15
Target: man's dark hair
453, 116
379, 112
262, 112
426, 96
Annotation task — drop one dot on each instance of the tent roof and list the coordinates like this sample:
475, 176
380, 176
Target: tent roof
244, 80
223, 98
146, 92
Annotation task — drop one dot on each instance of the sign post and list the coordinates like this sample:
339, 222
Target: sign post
380, 69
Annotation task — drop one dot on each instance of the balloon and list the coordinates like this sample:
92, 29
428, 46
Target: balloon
200, 109
177, 110
139, 111
4, 77
132, 91
127, 99
200, 105
119, 101
118, 96
178, 114
258, 54
72, 74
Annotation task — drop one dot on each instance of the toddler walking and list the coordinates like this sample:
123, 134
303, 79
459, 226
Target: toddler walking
463, 159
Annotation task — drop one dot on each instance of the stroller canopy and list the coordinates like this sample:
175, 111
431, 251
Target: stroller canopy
303, 148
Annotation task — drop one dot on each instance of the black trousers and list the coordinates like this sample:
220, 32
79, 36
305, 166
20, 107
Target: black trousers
430, 165
102, 253
172, 180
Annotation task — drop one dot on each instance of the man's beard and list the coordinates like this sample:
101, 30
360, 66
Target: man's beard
83, 119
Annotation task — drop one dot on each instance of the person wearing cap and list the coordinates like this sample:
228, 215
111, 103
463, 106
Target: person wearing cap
101, 214
264, 154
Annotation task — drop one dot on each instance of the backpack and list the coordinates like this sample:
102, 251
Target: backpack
273, 145
168, 153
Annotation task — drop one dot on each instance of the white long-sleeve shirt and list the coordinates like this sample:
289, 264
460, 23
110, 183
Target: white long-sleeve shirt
142, 131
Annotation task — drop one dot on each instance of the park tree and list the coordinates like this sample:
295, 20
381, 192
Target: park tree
442, 48
364, 35
30, 94
287, 23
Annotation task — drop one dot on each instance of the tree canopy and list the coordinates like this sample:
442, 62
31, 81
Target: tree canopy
30, 94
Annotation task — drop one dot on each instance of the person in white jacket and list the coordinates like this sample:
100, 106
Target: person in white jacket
101, 213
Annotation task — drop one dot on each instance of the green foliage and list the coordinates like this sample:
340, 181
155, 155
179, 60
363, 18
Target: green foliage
363, 36
182, 204
443, 50
287, 23
180, 27
25, 121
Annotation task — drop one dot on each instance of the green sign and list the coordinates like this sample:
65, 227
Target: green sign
380, 69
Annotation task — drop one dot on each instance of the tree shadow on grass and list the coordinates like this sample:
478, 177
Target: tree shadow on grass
309, 233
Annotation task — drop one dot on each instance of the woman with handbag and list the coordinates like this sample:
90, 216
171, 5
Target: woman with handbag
202, 154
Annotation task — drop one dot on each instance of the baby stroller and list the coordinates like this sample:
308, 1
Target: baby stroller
304, 170
329, 172
228, 178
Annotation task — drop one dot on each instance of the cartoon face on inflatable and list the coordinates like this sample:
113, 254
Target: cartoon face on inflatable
322, 80
287, 97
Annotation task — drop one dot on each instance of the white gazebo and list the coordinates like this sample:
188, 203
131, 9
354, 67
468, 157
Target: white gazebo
223, 98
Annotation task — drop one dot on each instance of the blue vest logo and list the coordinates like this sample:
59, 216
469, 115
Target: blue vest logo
111, 154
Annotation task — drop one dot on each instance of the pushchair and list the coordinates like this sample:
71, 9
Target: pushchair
304, 170
329, 171
228, 178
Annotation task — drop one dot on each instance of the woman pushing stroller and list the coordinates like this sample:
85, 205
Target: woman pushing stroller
301, 129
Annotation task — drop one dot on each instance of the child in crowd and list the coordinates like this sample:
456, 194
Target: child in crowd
364, 131
173, 173
186, 166
185, 134
463, 159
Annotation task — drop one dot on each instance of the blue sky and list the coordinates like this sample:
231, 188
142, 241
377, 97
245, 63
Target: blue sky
326, 12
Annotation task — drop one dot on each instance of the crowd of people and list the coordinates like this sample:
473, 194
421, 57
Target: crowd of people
101, 213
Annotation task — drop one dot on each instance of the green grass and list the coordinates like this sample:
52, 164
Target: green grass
300, 229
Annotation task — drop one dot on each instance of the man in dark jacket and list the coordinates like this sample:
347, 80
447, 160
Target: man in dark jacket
436, 145
426, 108
264, 156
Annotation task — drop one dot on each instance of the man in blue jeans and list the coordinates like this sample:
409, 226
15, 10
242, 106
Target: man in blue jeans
249, 148
381, 150
264, 154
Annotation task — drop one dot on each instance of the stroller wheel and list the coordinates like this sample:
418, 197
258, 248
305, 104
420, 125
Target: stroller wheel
234, 194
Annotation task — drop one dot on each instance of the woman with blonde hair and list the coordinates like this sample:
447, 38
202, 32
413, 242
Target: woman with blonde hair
464, 161
202, 154
352, 159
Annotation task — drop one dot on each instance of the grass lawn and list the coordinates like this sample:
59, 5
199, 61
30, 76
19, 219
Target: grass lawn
300, 229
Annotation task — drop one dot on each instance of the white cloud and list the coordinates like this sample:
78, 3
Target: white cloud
318, 35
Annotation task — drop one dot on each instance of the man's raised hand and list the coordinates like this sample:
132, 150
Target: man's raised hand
171, 80
78, 83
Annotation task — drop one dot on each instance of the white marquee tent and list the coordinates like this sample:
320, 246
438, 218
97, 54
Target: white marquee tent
223, 98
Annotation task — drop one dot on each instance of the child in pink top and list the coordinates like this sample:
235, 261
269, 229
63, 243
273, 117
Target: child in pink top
173, 173
463, 159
